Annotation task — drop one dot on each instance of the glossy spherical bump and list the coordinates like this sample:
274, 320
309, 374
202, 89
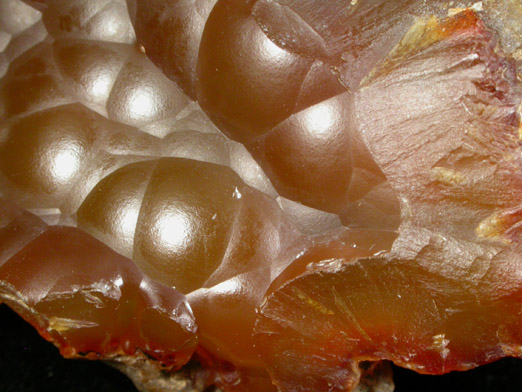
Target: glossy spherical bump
246, 83
181, 23
92, 19
110, 212
309, 155
187, 212
183, 211
90, 68
142, 94
31, 84
387, 114
43, 154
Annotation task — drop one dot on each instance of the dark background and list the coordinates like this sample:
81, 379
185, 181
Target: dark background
30, 364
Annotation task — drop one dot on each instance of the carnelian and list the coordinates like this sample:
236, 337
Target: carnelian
278, 194
87, 299
446, 296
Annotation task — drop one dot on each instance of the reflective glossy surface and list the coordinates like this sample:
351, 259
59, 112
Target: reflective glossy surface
280, 187
85, 298
445, 297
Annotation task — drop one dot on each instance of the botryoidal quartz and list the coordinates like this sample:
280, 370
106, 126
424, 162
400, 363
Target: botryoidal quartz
264, 195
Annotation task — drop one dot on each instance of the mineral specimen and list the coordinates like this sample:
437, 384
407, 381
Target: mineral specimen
264, 195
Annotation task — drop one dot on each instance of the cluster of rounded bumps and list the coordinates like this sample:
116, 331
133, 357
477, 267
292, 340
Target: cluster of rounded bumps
285, 192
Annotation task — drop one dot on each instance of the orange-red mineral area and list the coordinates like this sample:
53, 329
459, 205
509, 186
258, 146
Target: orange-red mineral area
86, 298
285, 192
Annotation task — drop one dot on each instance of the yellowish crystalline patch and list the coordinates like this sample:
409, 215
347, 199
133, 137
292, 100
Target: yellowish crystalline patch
447, 176
60, 324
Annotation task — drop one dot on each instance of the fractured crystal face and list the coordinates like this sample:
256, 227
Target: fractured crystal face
86, 298
266, 188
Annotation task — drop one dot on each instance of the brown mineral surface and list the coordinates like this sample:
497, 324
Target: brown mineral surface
264, 195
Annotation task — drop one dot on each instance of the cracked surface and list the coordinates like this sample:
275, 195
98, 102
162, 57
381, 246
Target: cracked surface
87, 299
280, 187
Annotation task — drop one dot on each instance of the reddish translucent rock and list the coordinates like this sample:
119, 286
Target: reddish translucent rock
181, 23
129, 112
375, 114
446, 297
197, 227
301, 136
99, 20
20, 28
88, 300
74, 146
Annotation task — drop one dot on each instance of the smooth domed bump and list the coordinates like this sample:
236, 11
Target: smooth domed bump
141, 94
187, 211
110, 212
43, 155
32, 83
90, 69
103, 20
181, 24
309, 155
246, 83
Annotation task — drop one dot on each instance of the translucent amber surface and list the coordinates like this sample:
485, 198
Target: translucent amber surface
87, 299
280, 194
